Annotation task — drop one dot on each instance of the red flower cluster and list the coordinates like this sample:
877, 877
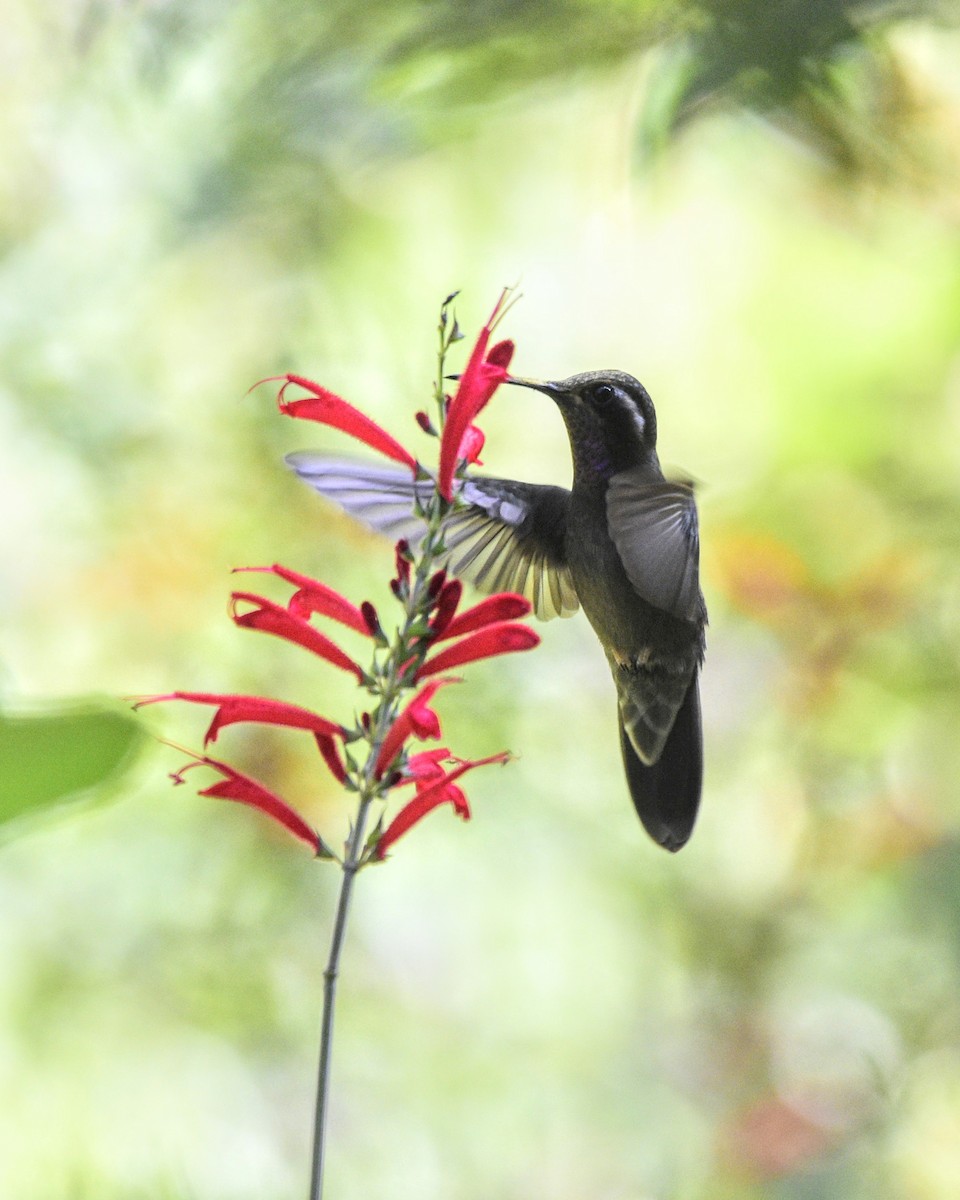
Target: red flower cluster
487, 629
410, 662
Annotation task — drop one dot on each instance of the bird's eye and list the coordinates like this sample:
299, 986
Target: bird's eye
604, 394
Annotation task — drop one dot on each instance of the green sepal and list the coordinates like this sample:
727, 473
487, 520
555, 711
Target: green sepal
324, 852
370, 846
420, 628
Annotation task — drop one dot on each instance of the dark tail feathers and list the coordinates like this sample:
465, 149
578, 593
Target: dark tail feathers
666, 794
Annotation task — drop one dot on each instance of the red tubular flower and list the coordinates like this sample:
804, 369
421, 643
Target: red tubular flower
330, 409
417, 720
505, 637
273, 618
312, 596
244, 790
504, 606
400, 585
234, 710
425, 767
484, 373
425, 423
472, 445
448, 597
433, 792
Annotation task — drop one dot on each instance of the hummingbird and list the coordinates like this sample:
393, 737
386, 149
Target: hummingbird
622, 543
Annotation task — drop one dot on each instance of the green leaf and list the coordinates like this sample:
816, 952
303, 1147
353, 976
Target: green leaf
49, 757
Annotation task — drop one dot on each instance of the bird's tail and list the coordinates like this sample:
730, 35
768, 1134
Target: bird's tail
666, 794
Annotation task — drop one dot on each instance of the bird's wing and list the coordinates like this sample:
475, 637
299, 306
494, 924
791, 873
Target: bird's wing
653, 523
382, 497
507, 537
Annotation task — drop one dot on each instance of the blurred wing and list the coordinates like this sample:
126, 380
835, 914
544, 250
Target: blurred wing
381, 497
653, 523
508, 537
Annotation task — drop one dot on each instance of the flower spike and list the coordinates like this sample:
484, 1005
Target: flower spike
400, 677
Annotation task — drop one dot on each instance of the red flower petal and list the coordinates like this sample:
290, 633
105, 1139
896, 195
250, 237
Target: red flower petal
244, 790
330, 409
416, 720
233, 710
425, 423
328, 749
472, 395
312, 596
425, 766
472, 445
504, 606
272, 618
372, 620
428, 798
482, 376
446, 605
400, 585
505, 637
501, 354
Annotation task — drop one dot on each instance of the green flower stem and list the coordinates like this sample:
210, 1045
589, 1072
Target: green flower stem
389, 685
354, 855
330, 975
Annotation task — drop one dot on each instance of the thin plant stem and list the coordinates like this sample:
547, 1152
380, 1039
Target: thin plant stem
354, 851
330, 975
353, 856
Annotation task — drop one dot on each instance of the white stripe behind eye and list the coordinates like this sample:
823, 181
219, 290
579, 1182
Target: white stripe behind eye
626, 402
637, 418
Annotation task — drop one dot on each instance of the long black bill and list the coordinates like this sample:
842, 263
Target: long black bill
537, 385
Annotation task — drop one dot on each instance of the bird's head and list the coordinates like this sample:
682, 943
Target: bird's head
610, 420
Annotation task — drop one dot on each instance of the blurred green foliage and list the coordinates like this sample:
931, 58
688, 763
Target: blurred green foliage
48, 757
753, 207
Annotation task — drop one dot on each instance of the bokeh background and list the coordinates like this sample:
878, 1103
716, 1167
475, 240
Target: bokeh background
752, 205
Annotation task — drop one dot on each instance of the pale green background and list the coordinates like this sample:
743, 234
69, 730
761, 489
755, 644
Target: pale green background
541, 1003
